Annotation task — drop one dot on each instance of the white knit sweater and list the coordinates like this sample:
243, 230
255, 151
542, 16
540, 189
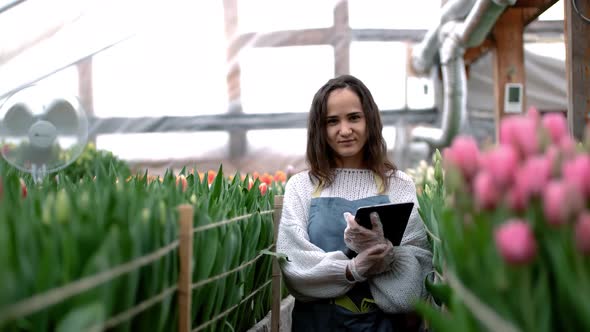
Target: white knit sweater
310, 273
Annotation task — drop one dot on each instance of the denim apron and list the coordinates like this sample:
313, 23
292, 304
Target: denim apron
355, 311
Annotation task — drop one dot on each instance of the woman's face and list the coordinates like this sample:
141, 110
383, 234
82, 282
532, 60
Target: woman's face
346, 128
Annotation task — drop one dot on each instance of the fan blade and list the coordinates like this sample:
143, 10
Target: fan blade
18, 119
63, 115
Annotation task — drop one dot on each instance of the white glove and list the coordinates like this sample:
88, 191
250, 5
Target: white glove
359, 238
374, 260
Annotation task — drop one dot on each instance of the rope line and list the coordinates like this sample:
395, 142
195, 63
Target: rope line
132, 312
227, 221
225, 274
56, 295
228, 311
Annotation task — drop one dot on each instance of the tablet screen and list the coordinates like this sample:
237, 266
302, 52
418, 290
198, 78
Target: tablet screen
394, 218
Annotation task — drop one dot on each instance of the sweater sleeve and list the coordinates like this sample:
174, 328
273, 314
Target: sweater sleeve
398, 289
309, 272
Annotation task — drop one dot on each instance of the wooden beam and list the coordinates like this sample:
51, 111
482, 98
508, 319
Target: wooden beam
341, 39
321, 36
230, 20
508, 58
531, 3
414, 35
85, 89
531, 14
85, 86
472, 54
237, 138
577, 36
236, 122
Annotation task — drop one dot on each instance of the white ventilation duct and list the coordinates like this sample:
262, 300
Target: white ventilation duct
449, 40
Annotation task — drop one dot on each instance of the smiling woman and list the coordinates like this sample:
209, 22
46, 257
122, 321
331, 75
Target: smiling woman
346, 128
349, 168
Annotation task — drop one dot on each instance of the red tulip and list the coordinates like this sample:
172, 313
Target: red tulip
516, 242
263, 187
23, 188
210, 176
181, 179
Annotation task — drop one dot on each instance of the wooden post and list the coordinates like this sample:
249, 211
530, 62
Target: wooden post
185, 251
508, 59
237, 137
85, 89
275, 314
577, 38
341, 39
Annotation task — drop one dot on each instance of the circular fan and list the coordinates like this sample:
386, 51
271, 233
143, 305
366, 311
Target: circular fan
41, 135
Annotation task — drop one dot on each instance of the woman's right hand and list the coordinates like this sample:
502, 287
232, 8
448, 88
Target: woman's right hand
359, 238
375, 260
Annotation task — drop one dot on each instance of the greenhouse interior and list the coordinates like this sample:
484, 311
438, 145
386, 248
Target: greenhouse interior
173, 166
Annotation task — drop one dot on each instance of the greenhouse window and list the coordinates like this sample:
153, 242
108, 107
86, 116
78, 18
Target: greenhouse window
283, 79
273, 15
384, 74
388, 14
165, 146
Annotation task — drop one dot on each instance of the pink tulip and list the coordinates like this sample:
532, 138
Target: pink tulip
521, 133
532, 177
561, 201
556, 126
533, 114
553, 155
290, 171
485, 190
501, 163
582, 235
463, 154
516, 242
577, 172
516, 199
567, 145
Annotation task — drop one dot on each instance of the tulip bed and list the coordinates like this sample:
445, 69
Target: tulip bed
88, 222
510, 230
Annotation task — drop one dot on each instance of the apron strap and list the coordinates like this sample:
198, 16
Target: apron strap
378, 182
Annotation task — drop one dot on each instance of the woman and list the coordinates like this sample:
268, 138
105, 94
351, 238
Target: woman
348, 168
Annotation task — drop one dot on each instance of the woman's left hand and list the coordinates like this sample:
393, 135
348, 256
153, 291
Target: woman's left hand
359, 238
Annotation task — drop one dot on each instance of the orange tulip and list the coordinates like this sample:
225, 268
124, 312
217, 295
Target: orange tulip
280, 176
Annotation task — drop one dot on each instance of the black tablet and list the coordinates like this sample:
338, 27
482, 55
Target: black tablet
394, 218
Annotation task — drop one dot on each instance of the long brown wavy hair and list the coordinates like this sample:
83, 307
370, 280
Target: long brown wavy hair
320, 156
